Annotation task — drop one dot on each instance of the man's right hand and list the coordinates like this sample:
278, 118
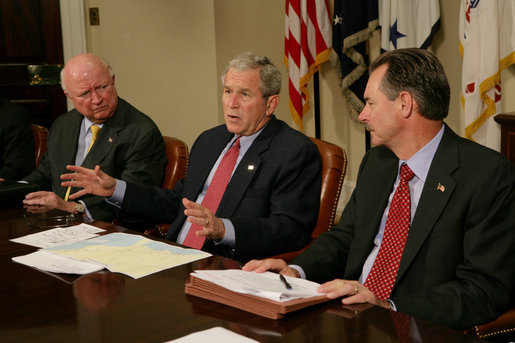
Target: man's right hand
93, 181
275, 265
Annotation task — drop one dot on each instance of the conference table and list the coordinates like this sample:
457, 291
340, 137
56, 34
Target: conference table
38, 306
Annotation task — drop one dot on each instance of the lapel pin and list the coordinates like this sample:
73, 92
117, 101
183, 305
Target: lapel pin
250, 167
440, 187
110, 140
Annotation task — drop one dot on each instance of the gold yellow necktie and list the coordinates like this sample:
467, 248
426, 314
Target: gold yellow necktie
94, 133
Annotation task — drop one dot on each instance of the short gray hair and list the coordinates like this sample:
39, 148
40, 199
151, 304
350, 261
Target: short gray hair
269, 75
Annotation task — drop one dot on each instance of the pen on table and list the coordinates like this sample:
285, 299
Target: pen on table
283, 279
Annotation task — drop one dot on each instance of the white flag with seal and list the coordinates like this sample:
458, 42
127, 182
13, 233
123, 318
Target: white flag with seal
487, 46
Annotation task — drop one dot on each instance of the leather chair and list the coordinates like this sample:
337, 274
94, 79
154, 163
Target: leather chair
177, 153
501, 329
334, 167
40, 134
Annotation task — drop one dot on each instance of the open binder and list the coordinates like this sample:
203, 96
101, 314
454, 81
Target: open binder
248, 302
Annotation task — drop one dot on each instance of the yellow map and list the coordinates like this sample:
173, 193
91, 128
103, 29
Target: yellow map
129, 254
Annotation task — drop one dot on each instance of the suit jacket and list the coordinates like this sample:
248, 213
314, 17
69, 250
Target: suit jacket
273, 206
129, 147
457, 268
16, 141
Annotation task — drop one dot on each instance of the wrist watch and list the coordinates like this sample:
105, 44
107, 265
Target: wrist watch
79, 208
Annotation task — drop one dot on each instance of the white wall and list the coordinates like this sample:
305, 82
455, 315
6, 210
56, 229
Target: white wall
164, 58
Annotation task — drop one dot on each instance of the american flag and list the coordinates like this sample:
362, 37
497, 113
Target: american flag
307, 44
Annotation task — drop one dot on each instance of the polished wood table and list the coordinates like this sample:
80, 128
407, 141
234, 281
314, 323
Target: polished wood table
108, 307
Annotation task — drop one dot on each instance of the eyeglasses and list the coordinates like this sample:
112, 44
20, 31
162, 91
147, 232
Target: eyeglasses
50, 219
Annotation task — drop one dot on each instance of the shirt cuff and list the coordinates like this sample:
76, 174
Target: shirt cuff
119, 193
86, 212
391, 304
299, 269
230, 235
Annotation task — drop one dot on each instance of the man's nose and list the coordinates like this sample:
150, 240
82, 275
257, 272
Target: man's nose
95, 97
233, 100
363, 116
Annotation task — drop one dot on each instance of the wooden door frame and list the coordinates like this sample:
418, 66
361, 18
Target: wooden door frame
73, 26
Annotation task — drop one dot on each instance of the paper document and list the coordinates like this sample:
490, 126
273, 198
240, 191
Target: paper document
267, 285
133, 255
57, 264
59, 236
214, 335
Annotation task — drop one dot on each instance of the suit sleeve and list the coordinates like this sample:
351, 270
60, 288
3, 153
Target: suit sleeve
291, 201
142, 163
152, 203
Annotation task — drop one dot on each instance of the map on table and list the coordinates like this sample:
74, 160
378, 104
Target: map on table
129, 254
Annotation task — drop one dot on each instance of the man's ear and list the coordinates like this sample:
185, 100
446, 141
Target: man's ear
407, 104
271, 104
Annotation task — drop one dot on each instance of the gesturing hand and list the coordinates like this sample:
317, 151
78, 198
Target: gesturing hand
93, 181
212, 227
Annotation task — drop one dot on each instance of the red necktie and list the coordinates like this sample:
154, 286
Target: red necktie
215, 191
384, 270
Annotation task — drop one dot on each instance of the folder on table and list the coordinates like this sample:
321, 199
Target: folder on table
251, 301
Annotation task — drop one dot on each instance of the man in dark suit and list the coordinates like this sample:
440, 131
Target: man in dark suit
457, 265
128, 145
16, 142
272, 200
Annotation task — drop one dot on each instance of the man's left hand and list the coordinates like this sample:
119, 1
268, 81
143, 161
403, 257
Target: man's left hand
352, 292
212, 227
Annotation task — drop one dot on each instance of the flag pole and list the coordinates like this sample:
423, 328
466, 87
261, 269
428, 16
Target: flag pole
316, 89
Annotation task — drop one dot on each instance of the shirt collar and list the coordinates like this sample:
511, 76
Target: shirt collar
421, 161
246, 141
87, 124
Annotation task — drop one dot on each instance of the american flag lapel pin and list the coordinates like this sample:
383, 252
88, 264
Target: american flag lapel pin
110, 140
440, 187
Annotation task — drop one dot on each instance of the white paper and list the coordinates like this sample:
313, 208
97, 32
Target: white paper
214, 335
59, 236
266, 285
57, 264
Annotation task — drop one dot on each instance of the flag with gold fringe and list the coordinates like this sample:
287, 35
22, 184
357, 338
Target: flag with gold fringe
487, 46
353, 25
307, 44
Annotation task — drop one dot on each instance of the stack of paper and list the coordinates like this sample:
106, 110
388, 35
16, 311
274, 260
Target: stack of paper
263, 294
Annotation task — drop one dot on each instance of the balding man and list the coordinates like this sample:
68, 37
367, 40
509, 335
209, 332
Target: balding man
104, 130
